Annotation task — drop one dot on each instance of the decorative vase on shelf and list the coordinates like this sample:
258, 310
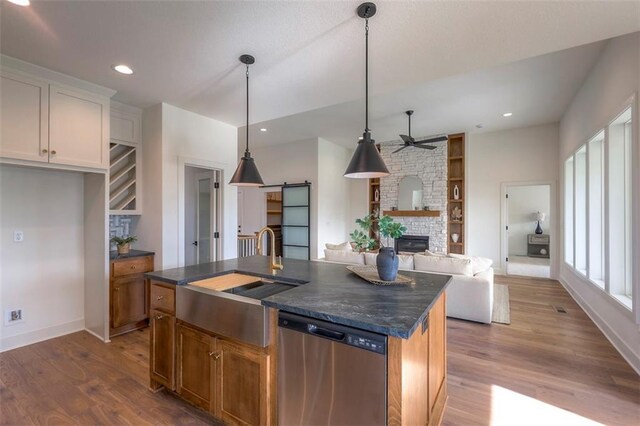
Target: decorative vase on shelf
376, 195
387, 263
455, 237
540, 217
456, 192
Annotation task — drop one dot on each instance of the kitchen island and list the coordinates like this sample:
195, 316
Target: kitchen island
215, 335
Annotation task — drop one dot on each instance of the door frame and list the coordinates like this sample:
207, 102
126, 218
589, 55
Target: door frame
504, 221
213, 216
218, 167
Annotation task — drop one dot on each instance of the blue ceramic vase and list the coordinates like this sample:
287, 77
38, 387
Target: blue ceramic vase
387, 263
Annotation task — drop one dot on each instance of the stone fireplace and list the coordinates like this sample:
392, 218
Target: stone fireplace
412, 243
431, 167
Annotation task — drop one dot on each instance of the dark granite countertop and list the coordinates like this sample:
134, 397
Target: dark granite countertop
331, 292
113, 255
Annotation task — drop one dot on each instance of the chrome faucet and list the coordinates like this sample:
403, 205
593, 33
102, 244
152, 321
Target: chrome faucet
261, 232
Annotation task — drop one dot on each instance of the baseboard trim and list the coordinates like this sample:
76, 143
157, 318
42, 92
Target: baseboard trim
97, 335
623, 349
31, 337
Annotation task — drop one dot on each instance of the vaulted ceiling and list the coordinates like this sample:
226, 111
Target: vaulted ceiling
309, 54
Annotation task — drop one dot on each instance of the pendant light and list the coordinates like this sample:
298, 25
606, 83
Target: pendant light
247, 172
366, 163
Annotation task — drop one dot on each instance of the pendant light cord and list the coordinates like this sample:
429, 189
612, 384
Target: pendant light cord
247, 150
366, 73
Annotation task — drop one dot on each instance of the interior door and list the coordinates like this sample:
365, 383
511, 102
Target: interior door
296, 221
205, 217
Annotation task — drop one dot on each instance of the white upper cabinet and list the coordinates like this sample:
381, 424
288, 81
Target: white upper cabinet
24, 104
78, 128
52, 120
125, 124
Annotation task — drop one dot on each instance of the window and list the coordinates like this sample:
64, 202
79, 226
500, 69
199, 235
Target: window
619, 206
595, 155
568, 211
598, 209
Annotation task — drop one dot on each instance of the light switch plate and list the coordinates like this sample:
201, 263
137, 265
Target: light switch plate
18, 236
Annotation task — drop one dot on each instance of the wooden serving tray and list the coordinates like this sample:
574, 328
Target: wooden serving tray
370, 274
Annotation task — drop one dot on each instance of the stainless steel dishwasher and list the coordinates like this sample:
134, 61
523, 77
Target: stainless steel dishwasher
330, 374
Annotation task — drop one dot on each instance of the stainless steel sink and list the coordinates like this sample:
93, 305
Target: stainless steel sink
229, 305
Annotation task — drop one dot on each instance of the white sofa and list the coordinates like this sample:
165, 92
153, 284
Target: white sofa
470, 293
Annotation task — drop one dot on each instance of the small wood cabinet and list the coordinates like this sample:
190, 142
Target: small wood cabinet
162, 353
196, 359
129, 294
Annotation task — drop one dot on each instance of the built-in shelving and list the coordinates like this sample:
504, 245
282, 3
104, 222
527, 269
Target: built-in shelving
456, 178
123, 178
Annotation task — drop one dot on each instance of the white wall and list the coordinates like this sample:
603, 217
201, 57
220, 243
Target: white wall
518, 155
334, 223
613, 79
524, 202
174, 137
44, 275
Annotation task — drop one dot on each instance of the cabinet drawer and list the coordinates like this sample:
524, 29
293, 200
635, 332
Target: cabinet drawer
163, 298
135, 265
538, 239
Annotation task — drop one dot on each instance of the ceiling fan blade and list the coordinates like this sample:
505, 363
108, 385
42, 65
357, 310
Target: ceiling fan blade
434, 139
407, 139
399, 149
426, 146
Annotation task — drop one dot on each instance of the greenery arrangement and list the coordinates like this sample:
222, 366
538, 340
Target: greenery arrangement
386, 226
121, 241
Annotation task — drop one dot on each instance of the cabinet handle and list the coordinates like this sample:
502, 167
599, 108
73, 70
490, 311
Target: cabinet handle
159, 317
159, 297
44, 151
117, 288
53, 152
133, 266
215, 355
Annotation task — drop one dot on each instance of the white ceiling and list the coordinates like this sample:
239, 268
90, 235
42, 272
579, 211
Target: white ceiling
309, 54
536, 91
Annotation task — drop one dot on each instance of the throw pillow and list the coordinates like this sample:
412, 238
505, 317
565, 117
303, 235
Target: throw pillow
443, 265
342, 247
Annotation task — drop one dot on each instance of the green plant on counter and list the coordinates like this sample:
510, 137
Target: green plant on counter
360, 237
121, 241
390, 229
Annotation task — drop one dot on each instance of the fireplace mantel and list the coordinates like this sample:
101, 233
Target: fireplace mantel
412, 213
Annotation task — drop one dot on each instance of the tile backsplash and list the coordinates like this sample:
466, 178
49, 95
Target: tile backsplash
121, 226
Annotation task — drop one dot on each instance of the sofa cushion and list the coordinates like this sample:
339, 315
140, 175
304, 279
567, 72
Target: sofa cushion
431, 253
443, 265
405, 261
342, 247
478, 264
343, 256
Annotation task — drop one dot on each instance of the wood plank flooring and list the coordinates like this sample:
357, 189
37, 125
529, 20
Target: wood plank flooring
544, 368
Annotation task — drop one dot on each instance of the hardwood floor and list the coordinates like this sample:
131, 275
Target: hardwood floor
544, 368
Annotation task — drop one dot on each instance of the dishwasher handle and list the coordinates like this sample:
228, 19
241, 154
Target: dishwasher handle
326, 333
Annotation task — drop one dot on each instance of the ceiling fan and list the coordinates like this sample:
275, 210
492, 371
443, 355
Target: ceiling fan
409, 141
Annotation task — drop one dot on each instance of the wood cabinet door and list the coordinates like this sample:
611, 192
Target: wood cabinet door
162, 360
24, 108
78, 128
437, 350
242, 383
128, 300
195, 369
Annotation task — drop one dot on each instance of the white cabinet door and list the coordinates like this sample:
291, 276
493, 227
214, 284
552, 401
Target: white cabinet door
125, 127
78, 128
25, 118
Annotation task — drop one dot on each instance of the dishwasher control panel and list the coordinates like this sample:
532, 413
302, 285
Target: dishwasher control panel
338, 333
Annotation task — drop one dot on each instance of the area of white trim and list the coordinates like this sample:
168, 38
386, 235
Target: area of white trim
107, 340
36, 336
625, 351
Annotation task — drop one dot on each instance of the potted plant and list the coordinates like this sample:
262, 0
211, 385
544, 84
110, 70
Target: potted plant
360, 237
124, 243
387, 261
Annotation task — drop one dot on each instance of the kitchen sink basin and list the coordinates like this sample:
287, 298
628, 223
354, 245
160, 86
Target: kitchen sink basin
229, 305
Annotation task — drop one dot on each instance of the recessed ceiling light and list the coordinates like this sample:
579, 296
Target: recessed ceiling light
507, 114
123, 69
20, 2
263, 130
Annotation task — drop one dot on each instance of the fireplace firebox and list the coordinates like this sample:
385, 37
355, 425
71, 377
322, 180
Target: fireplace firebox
412, 243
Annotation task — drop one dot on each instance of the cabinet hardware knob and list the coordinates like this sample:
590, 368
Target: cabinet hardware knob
44, 151
133, 266
160, 297
117, 288
215, 355
159, 317
53, 152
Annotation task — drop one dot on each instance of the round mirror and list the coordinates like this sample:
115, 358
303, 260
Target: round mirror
410, 193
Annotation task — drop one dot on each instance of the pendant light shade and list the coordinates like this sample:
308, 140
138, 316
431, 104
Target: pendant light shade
247, 173
366, 163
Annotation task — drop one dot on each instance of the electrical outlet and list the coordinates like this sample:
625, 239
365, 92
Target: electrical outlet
18, 236
13, 316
